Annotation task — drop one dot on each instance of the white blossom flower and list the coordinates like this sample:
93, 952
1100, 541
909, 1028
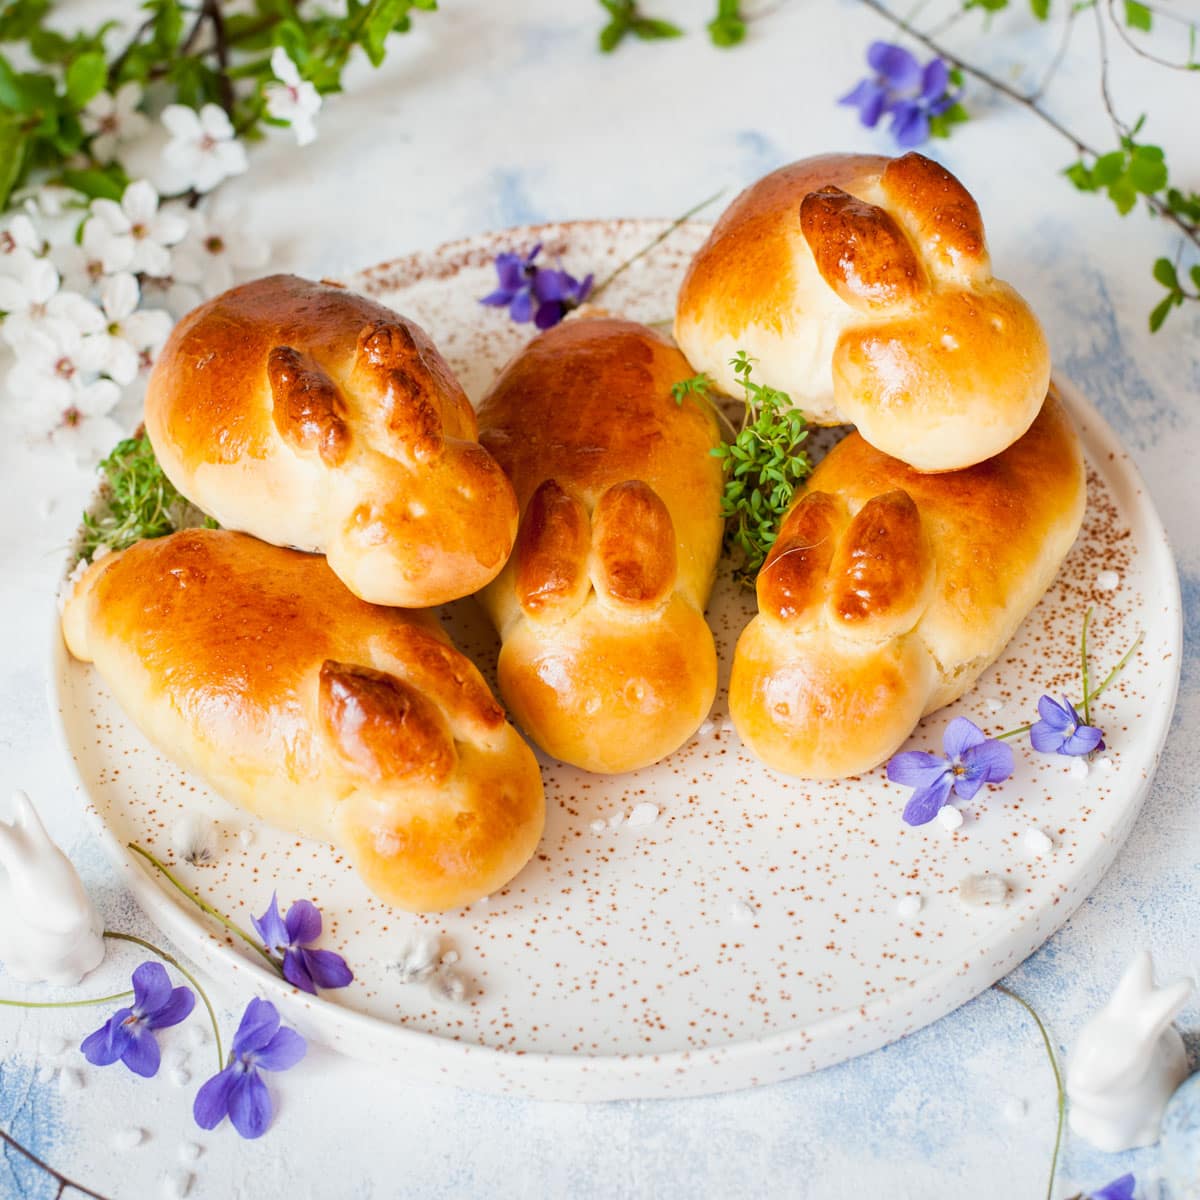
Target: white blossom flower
131, 338
138, 231
114, 120
292, 99
172, 293
214, 250
59, 396
100, 252
19, 245
203, 148
33, 303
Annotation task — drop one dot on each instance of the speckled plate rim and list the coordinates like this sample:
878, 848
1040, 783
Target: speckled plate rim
732, 1065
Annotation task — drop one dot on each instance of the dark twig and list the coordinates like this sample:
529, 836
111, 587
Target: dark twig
1060, 54
213, 9
63, 1181
1123, 34
114, 71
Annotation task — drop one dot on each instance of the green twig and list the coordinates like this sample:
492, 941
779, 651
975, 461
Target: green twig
1087, 700
66, 1003
174, 962
1058, 1082
662, 237
204, 905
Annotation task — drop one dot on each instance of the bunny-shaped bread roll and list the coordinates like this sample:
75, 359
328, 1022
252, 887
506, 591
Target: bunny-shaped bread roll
1128, 1061
888, 592
50, 932
863, 287
607, 661
311, 417
359, 725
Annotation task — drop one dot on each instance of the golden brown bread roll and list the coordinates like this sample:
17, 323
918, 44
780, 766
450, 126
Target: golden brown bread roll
311, 417
863, 287
607, 661
888, 592
358, 725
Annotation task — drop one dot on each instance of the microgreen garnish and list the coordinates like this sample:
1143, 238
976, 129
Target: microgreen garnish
140, 501
763, 465
698, 385
626, 18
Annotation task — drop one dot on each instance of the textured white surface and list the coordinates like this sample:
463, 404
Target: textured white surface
495, 114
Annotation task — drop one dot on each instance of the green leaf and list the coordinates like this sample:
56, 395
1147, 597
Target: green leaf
1040, 8
380, 19
14, 143
943, 124
1159, 313
1123, 194
1148, 175
1081, 177
1164, 272
1137, 16
104, 184
1195, 274
1108, 168
85, 77
168, 23
611, 35
649, 29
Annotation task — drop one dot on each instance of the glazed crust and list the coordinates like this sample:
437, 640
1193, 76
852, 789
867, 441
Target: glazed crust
312, 417
889, 591
863, 287
607, 661
359, 725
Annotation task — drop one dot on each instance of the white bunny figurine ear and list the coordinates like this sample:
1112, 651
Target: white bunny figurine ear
1136, 984
49, 929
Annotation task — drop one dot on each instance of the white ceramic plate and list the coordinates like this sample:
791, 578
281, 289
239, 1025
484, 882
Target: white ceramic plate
750, 931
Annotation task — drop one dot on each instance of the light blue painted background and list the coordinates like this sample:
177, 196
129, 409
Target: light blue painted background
494, 114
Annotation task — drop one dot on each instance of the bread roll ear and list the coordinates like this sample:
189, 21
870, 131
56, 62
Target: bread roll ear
868, 622
551, 556
633, 541
382, 726
308, 410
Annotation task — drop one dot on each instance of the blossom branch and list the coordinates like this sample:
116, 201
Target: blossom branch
62, 1180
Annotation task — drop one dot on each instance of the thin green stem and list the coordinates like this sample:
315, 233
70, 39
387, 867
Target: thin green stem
1083, 655
1058, 1082
662, 237
174, 962
204, 905
1109, 679
65, 1003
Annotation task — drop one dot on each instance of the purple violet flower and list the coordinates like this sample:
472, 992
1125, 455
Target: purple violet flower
1062, 731
971, 760
901, 87
128, 1035
543, 293
291, 939
238, 1092
1119, 1189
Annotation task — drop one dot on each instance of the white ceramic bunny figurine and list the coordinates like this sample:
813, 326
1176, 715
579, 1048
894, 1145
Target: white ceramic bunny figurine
49, 931
1128, 1061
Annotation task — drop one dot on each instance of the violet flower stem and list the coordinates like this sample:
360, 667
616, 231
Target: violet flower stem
204, 905
171, 960
65, 1003
1109, 679
662, 237
1087, 702
1058, 1081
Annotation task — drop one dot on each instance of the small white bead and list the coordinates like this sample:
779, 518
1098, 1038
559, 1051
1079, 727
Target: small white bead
982, 891
1078, 768
197, 1035
1015, 1109
177, 1184
908, 906
643, 814
69, 1081
741, 912
180, 1077
598, 826
615, 820
128, 1137
993, 704
1108, 581
950, 818
1038, 842
245, 838
1106, 764
189, 1152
